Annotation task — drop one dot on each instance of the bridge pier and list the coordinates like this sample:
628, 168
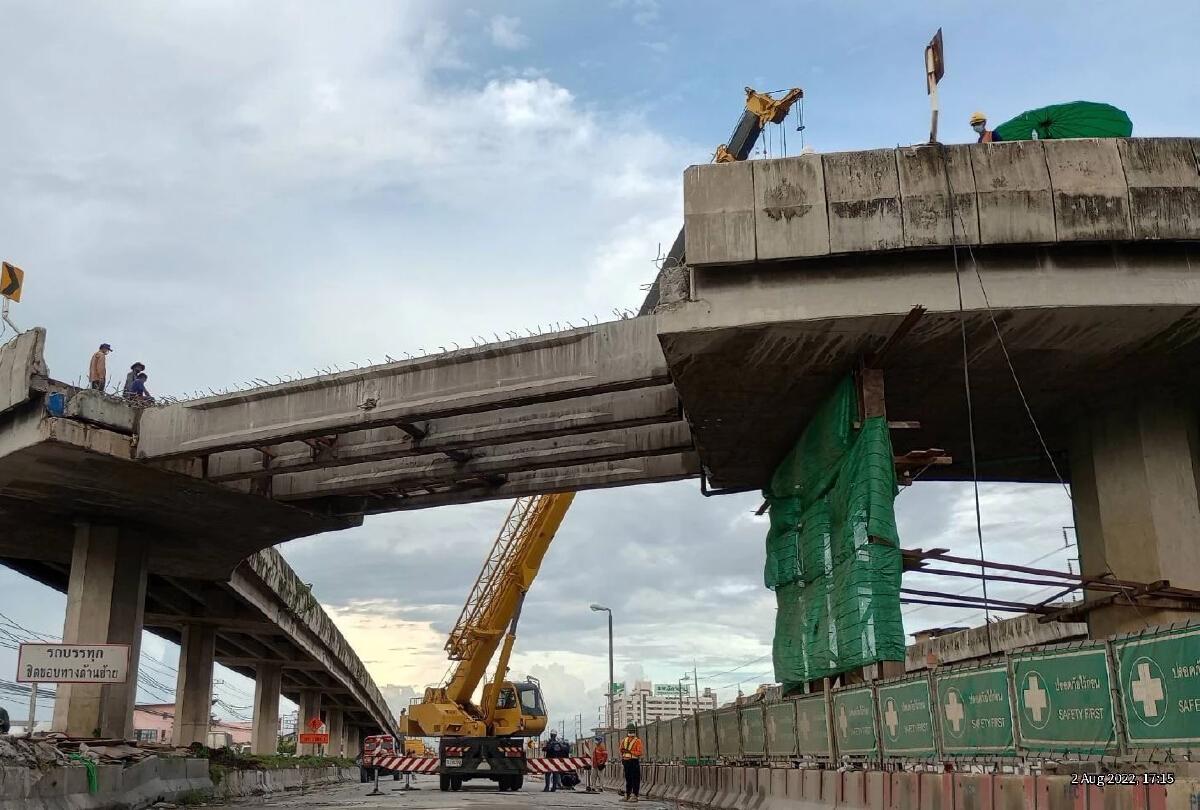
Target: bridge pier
310, 706
352, 743
106, 601
1134, 471
337, 741
264, 736
193, 687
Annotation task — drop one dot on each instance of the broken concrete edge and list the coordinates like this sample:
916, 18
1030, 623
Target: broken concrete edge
999, 637
152, 780
1023, 192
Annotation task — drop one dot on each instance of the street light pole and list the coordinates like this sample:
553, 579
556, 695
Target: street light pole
611, 677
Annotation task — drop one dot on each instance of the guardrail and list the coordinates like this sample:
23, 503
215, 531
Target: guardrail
1132, 694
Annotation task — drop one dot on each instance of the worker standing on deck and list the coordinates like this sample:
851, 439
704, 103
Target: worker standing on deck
599, 760
554, 750
979, 124
631, 760
97, 370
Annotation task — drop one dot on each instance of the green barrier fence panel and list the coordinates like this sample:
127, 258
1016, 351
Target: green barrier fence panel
906, 718
1159, 675
854, 722
1064, 700
812, 726
754, 740
706, 731
729, 741
833, 555
678, 751
691, 748
780, 729
974, 711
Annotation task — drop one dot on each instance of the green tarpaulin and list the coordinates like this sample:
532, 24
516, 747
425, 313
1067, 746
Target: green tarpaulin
833, 556
1076, 119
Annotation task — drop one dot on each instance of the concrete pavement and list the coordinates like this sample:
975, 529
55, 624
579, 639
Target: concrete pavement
483, 796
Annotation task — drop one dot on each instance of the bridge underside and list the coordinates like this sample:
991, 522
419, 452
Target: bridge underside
758, 347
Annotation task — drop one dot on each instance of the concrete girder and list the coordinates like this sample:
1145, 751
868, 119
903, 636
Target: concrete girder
406, 475
602, 475
621, 409
617, 356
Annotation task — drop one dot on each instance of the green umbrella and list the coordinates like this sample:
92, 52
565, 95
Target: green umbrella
1077, 119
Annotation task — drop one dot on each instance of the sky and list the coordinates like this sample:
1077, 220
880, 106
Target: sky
229, 191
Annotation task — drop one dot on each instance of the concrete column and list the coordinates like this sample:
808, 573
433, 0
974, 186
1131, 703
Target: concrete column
1134, 469
333, 719
265, 735
310, 707
194, 685
352, 744
106, 599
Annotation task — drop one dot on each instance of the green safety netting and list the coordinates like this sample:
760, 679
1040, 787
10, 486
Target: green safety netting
833, 556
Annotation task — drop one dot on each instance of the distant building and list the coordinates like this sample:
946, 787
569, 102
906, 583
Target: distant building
154, 722
648, 702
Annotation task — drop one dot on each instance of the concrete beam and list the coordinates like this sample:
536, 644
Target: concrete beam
618, 356
227, 624
623, 409
255, 663
657, 469
422, 473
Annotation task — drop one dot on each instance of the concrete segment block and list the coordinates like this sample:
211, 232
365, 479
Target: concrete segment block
718, 213
923, 196
790, 215
1164, 187
937, 791
1014, 792
906, 791
1091, 199
863, 194
1013, 186
1057, 793
98, 408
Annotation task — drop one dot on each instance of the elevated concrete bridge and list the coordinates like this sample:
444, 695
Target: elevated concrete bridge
797, 271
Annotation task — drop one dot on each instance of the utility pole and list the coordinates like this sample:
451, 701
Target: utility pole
696, 680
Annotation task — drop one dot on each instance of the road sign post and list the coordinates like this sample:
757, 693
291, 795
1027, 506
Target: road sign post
318, 733
935, 68
12, 280
73, 663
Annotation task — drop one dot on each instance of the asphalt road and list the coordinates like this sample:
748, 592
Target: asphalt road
473, 796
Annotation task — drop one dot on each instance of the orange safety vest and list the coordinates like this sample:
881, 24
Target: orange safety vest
599, 756
631, 747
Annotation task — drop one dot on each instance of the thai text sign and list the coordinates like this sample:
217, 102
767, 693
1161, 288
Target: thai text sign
854, 721
907, 719
1160, 685
73, 663
1064, 700
812, 728
975, 712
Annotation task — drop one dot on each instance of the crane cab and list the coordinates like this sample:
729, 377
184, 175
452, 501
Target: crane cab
519, 710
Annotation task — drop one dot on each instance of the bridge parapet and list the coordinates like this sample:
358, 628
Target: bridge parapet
1020, 193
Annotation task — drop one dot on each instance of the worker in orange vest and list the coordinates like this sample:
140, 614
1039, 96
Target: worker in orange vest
631, 760
599, 760
979, 124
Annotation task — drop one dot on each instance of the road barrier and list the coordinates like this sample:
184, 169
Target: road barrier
430, 764
1133, 695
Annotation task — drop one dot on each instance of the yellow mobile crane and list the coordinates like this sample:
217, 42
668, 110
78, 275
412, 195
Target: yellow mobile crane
483, 740
477, 741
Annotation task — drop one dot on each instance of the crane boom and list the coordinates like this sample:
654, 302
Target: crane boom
509, 570
760, 110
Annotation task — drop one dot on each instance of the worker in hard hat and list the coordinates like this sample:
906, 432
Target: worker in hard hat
979, 124
631, 761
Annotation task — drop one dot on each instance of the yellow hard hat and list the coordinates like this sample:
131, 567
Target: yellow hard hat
978, 117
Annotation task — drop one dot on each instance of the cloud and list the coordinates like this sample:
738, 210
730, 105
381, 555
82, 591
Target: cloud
506, 33
644, 12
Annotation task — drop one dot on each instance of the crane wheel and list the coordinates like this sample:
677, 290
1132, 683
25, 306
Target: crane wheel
443, 783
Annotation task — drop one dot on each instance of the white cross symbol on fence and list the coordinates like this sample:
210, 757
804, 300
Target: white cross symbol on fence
890, 718
844, 721
1035, 699
1147, 690
954, 712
